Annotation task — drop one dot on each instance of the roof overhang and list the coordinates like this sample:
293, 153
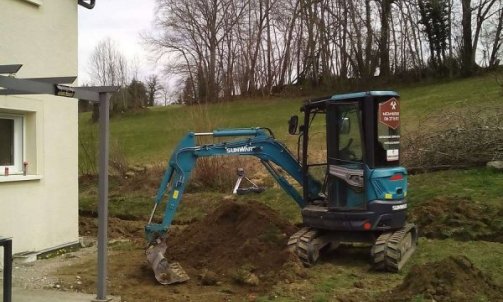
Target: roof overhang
10, 85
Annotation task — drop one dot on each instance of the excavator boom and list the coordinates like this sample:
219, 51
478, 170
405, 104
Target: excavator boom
256, 142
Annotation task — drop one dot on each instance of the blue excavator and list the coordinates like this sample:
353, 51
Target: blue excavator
360, 198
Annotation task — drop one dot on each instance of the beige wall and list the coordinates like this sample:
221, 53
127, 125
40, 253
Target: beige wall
41, 213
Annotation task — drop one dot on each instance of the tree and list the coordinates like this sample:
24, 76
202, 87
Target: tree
130, 97
137, 93
153, 87
108, 67
435, 21
384, 50
496, 37
467, 54
223, 48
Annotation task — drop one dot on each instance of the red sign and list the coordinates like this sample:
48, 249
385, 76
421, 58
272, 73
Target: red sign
389, 113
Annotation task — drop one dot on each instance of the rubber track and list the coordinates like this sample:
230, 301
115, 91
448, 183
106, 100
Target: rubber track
300, 244
386, 252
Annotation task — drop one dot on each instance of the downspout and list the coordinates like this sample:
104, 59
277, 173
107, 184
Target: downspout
87, 5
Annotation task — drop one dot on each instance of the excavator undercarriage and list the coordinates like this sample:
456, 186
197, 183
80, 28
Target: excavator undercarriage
389, 251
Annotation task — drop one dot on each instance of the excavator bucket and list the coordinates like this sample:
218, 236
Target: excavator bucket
166, 273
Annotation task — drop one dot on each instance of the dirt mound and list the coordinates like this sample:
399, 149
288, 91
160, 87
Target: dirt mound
234, 241
451, 279
458, 218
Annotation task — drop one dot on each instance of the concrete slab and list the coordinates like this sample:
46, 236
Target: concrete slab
45, 295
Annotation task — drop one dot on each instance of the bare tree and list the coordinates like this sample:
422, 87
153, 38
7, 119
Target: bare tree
223, 48
109, 67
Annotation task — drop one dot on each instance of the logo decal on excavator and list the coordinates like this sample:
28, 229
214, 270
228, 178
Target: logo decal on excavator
389, 113
239, 149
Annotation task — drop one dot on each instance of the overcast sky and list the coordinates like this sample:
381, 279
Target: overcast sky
121, 20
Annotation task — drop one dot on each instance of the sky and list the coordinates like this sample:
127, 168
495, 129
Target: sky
121, 20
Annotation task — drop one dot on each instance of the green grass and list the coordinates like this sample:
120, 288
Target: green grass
149, 137
421, 101
337, 273
483, 185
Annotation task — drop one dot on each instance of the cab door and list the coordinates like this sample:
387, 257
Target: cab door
345, 144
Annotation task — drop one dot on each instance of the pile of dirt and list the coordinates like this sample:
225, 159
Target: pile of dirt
238, 241
451, 279
458, 218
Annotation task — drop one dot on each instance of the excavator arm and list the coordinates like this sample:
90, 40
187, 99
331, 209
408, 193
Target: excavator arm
256, 142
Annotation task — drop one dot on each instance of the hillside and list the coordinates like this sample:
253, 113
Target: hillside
458, 212
148, 137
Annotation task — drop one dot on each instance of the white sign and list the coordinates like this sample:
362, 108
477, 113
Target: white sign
392, 154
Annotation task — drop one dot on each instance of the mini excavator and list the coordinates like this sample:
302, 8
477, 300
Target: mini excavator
360, 198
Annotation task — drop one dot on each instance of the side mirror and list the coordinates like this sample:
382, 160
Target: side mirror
293, 124
345, 125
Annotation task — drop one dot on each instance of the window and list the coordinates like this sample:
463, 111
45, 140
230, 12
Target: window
11, 144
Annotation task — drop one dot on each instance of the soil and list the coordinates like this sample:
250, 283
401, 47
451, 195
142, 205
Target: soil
117, 228
458, 218
236, 240
451, 279
235, 253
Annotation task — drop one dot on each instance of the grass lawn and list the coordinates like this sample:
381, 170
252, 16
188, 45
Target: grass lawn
149, 137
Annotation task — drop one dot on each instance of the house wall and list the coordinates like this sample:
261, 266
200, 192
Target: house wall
40, 211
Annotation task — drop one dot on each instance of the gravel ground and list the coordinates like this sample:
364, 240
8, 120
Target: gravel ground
40, 274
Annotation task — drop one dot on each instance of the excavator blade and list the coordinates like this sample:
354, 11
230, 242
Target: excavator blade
165, 273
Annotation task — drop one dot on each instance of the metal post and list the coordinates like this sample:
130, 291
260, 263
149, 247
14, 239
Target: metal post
103, 197
7, 268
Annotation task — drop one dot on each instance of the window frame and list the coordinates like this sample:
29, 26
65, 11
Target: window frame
19, 127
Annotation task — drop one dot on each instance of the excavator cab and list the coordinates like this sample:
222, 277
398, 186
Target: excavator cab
363, 179
365, 186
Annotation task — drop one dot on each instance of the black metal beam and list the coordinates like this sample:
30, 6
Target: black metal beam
15, 86
9, 69
7, 268
55, 80
27, 85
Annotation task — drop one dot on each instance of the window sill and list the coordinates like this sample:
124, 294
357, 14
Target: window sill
12, 178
